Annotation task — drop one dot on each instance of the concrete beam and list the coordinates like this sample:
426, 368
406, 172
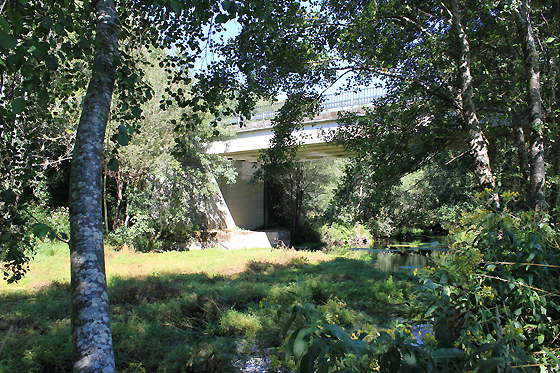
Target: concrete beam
248, 143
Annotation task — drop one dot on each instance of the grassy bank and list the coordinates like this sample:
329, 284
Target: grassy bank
195, 311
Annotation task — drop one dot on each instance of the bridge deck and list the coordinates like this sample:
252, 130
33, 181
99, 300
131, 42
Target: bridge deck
257, 133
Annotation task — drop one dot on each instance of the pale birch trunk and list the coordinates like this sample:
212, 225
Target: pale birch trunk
531, 60
478, 144
91, 328
522, 155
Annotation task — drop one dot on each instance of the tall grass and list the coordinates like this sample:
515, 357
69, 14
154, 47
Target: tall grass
197, 311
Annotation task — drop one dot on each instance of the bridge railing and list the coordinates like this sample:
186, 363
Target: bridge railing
335, 101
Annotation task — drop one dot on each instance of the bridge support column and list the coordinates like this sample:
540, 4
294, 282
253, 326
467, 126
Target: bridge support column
245, 201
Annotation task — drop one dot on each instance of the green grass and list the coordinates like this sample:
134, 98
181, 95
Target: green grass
194, 311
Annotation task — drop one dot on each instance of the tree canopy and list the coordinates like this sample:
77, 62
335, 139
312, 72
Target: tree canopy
456, 73
480, 76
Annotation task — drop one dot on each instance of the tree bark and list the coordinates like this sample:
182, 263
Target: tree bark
536, 110
91, 328
477, 141
522, 155
553, 117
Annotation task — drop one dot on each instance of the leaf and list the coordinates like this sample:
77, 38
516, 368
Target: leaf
448, 353
489, 365
336, 331
290, 321
551, 355
358, 346
301, 342
47, 22
66, 47
136, 111
5, 25
8, 196
307, 363
40, 230
290, 346
532, 255
174, 6
410, 362
122, 138
384, 338
309, 309
51, 62
44, 98
391, 360
113, 164
300, 278
7, 41
431, 309
222, 18
485, 347
550, 39
18, 105
226, 5
16, 19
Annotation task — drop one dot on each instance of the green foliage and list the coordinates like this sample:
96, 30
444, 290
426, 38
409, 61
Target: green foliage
319, 346
193, 321
300, 195
43, 52
494, 295
139, 236
196, 357
51, 223
164, 186
431, 198
492, 302
345, 235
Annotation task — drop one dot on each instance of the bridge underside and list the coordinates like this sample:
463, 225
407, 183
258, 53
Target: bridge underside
247, 202
309, 152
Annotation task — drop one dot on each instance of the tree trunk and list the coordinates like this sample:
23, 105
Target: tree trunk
554, 121
477, 141
91, 329
522, 156
105, 217
531, 60
119, 179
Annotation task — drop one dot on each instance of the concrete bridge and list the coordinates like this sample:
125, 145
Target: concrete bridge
244, 204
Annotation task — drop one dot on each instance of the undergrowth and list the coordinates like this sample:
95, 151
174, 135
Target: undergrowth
204, 321
493, 304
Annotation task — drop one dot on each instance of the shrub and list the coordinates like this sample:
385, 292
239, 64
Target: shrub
345, 234
48, 223
235, 322
493, 303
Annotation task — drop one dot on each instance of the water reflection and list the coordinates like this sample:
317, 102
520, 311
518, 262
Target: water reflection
392, 261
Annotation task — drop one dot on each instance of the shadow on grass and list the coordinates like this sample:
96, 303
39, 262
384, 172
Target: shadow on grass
199, 322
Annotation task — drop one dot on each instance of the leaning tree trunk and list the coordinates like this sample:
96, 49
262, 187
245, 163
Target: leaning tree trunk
91, 329
478, 144
531, 60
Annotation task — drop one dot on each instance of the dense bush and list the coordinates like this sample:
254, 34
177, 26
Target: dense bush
345, 235
493, 303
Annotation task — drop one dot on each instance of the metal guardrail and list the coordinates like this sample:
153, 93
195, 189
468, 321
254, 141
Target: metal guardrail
343, 100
